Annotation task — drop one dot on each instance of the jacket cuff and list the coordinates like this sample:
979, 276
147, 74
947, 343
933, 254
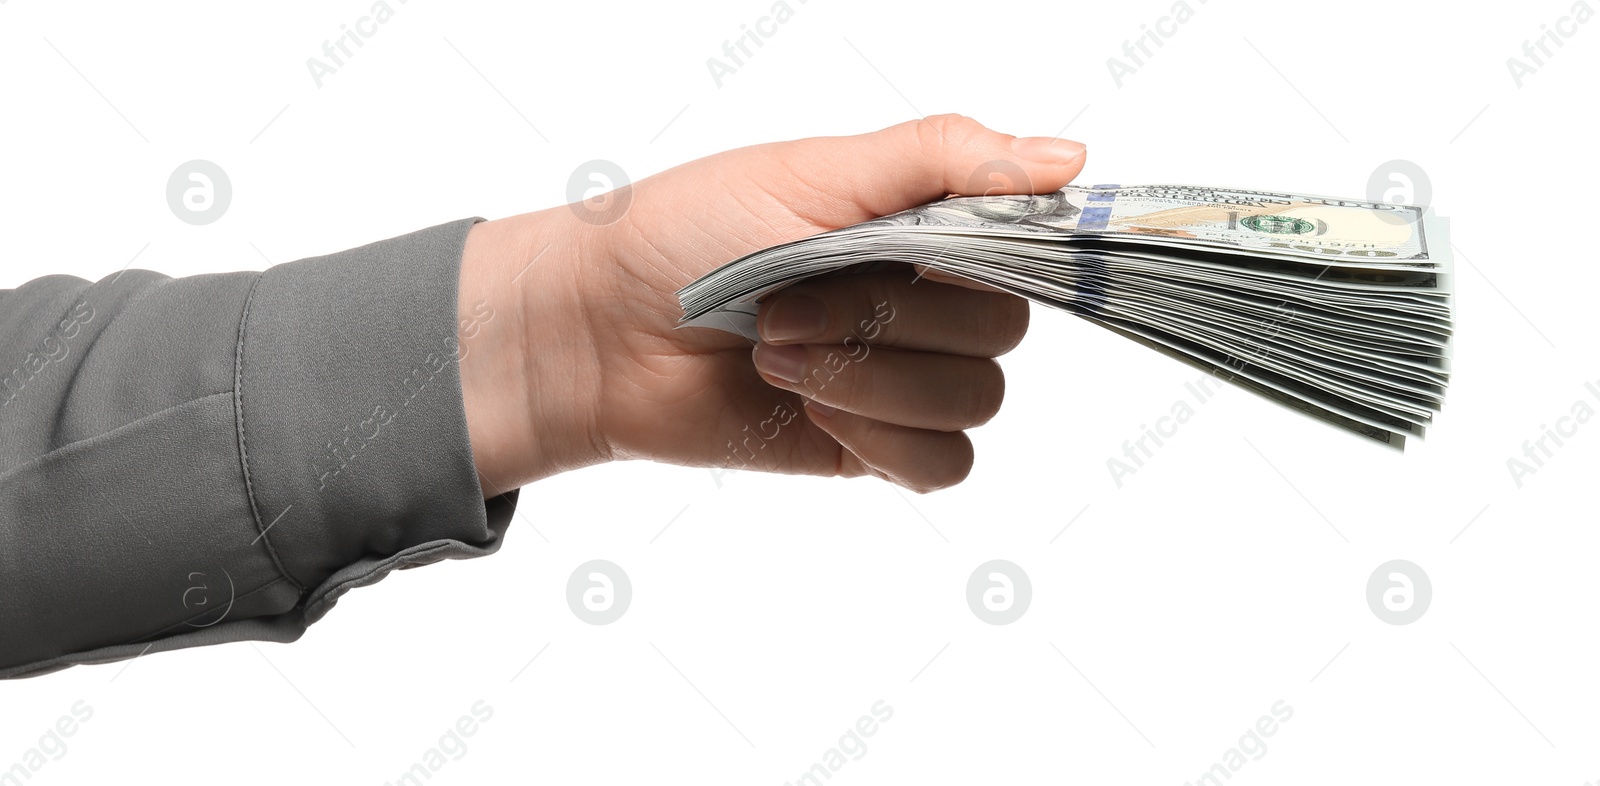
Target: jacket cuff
352, 429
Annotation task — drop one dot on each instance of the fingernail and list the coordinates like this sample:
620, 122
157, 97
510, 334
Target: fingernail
786, 362
1048, 149
794, 318
819, 407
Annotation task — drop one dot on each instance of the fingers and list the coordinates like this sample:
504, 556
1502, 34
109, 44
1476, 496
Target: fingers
893, 368
892, 309
922, 390
918, 459
899, 366
922, 160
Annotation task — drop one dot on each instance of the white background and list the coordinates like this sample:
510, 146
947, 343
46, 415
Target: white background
1227, 574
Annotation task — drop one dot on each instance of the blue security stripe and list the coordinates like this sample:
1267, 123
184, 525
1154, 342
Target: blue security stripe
1098, 213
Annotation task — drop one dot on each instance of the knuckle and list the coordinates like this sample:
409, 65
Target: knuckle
956, 127
939, 133
929, 139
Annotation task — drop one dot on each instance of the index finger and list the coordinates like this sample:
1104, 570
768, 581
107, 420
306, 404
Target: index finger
893, 309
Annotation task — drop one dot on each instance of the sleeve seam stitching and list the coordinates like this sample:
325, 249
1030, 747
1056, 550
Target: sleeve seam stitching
244, 453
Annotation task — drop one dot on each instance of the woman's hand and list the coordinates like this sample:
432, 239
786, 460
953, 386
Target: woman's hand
867, 374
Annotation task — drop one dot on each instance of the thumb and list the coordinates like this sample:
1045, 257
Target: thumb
919, 161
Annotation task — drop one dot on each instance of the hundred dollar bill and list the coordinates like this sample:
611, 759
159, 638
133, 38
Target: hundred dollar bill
1328, 230
1337, 308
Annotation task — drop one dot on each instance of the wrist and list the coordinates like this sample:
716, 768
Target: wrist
529, 371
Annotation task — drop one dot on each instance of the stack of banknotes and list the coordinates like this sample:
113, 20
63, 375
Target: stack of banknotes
1337, 308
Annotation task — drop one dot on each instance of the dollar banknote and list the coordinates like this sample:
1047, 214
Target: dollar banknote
1337, 308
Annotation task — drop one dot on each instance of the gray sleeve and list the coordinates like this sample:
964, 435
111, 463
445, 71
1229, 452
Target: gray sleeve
216, 458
